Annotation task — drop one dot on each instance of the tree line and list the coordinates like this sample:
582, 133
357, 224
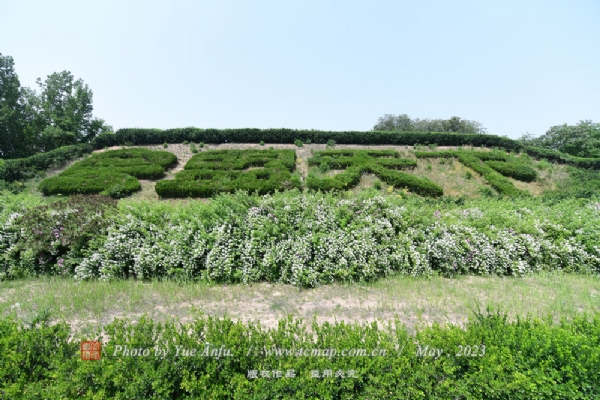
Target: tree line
31, 122
580, 140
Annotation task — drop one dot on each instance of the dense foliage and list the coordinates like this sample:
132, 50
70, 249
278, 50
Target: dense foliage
60, 115
224, 171
112, 172
383, 163
26, 168
403, 123
489, 358
514, 169
563, 158
49, 239
313, 239
247, 135
581, 140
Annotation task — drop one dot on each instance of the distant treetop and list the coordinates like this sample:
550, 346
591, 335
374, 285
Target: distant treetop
403, 123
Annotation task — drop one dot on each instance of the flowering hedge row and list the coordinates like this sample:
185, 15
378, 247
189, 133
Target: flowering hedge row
313, 239
111, 172
222, 171
489, 358
384, 164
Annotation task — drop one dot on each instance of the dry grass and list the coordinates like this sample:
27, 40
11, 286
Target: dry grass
414, 300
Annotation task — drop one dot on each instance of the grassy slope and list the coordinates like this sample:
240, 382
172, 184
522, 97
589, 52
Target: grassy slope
414, 300
436, 300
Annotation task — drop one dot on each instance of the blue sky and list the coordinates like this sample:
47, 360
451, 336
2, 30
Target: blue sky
514, 66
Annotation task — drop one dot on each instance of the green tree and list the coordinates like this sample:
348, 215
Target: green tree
581, 140
403, 123
11, 110
66, 104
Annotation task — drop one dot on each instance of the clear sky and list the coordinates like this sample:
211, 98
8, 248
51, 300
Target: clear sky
514, 66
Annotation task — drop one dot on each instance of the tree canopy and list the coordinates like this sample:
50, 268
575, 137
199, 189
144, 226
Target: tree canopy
581, 140
61, 114
403, 123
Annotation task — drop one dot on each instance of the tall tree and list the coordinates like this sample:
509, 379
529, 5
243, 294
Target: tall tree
11, 110
66, 104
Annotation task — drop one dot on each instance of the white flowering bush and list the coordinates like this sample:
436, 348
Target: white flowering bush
313, 239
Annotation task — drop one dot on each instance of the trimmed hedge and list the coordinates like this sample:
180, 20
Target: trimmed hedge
562, 158
357, 162
474, 160
89, 181
140, 136
26, 168
515, 170
223, 171
112, 173
490, 358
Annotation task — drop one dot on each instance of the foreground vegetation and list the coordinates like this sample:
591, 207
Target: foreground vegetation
490, 358
304, 239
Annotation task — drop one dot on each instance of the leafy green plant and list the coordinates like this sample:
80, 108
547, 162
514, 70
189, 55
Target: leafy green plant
111, 172
554, 360
298, 143
165, 145
377, 185
213, 172
468, 175
262, 143
330, 143
386, 164
193, 148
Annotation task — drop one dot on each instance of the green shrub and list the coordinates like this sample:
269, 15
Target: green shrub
298, 143
468, 175
193, 148
525, 359
383, 163
250, 135
515, 170
113, 173
54, 236
324, 167
201, 145
486, 191
26, 168
377, 185
262, 143
544, 164
224, 171
330, 143
185, 142
165, 145
308, 141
